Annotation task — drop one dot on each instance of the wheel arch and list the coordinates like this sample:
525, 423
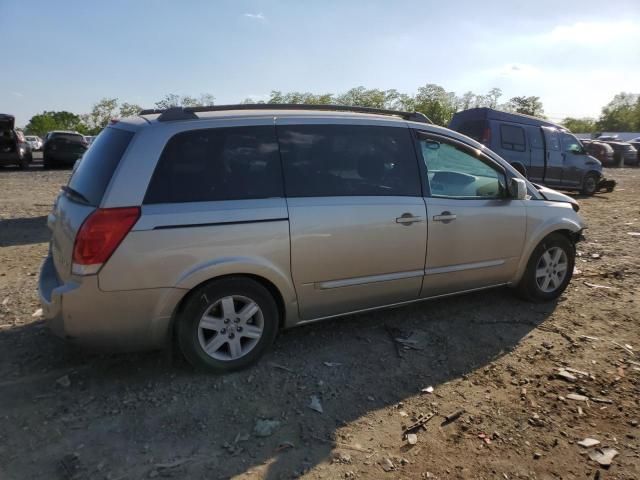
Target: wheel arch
569, 228
283, 308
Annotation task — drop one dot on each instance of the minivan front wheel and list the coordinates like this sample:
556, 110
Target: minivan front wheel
549, 269
227, 324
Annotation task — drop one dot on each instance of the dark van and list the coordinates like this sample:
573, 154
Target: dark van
542, 151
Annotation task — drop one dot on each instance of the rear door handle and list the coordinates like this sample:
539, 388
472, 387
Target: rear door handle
444, 217
408, 219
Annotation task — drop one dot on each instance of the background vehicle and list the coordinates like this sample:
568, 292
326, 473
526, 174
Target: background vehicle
62, 148
623, 151
544, 152
636, 144
34, 142
221, 225
89, 139
14, 149
600, 150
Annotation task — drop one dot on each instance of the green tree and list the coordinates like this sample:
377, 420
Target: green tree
436, 103
580, 125
100, 115
526, 105
47, 121
172, 100
622, 114
129, 110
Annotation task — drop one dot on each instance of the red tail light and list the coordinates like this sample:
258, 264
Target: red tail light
486, 137
100, 235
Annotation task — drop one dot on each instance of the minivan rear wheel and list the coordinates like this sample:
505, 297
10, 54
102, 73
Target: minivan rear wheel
549, 269
227, 324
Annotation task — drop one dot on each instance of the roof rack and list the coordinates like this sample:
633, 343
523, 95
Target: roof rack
189, 113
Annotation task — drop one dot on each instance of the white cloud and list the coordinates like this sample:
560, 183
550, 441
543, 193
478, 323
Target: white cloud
255, 16
593, 33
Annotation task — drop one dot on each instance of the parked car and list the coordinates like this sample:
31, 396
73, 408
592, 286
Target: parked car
14, 149
623, 151
542, 151
89, 139
34, 142
636, 144
62, 148
219, 226
600, 150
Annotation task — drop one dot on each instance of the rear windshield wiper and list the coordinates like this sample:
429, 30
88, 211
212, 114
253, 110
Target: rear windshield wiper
75, 195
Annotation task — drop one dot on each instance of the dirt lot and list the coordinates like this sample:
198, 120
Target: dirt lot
67, 413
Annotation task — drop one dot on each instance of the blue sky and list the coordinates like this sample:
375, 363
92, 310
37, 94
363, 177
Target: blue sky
67, 55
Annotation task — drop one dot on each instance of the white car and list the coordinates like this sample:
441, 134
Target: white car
34, 142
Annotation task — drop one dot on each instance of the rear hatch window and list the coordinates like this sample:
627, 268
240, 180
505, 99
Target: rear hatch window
98, 164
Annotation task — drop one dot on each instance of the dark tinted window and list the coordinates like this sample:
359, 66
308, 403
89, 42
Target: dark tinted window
535, 137
98, 164
512, 138
474, 129
218, 164
347, 160
66, 137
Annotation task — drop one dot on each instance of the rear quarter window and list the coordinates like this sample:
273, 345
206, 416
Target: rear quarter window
98, 164
473, 129
205, 165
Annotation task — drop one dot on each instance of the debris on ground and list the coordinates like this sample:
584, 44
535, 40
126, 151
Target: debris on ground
37, 313
388, 465
64, 381
315, 404
428, 389
603, 456
577, 397
589, 442
265, 427
420, 422
452, 417
331, 364
412, 438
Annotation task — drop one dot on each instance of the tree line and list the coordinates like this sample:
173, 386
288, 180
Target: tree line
621, 114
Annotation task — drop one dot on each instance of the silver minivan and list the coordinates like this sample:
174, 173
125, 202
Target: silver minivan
218, 226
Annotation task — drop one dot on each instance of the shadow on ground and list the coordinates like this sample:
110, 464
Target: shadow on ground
126, 414
24, 231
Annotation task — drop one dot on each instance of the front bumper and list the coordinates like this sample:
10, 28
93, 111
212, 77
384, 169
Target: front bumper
131, 320
606, 184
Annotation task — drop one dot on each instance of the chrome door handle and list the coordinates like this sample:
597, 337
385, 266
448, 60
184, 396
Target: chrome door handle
408, 219
444, 217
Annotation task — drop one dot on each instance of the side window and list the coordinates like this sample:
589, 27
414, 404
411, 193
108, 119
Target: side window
218, 164
454, 172
552, 140
535, 137
512, 138
348, 160
571, 144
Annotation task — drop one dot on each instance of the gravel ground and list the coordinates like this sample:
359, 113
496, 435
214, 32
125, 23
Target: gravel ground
68, 413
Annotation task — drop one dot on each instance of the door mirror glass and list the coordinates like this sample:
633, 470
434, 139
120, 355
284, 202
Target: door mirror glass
518, 189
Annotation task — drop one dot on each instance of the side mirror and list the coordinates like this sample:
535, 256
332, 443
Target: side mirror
518, 189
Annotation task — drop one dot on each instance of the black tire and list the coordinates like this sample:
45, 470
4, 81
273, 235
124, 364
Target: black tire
23, 162
207, 297
528, 288
589, 184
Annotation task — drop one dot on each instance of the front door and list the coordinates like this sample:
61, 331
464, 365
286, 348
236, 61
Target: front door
555, 160
476, 232
574, 158
357, 219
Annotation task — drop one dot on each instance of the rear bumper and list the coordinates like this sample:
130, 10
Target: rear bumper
80, 312
62, 158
